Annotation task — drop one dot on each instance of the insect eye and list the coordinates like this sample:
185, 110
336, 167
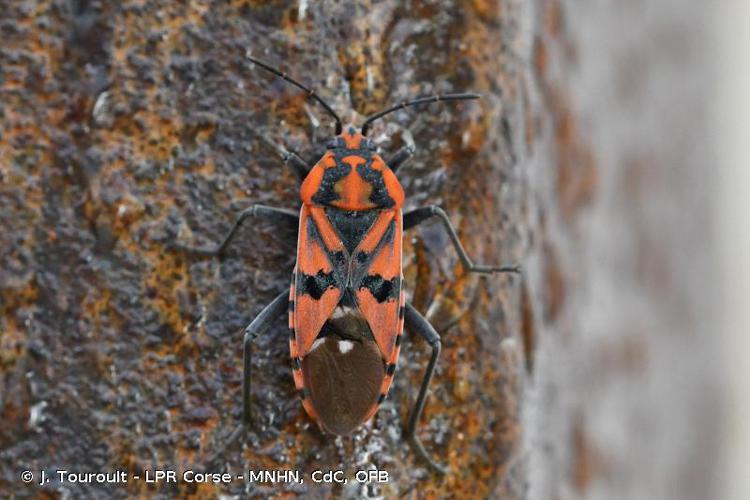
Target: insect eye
331, 144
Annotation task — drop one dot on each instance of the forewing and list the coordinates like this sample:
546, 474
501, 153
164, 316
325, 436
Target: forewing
377, 275
318, 282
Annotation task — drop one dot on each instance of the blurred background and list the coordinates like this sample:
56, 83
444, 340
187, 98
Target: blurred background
731, 133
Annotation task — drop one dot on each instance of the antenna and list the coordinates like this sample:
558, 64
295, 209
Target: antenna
310, 92
414, 102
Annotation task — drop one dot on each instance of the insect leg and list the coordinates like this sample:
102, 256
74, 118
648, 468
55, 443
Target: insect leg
260, 211
288, 157
416, 323
259, 325
419, 215
400, 157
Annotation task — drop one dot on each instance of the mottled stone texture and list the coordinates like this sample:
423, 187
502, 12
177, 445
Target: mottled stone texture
127, 124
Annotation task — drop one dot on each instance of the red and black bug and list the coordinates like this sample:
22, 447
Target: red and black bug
346, 302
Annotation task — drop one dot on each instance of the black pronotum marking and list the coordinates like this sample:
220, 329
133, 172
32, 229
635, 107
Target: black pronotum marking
398, 339
379, 195
326, 194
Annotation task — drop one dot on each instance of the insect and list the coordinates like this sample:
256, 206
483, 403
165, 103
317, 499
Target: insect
346, 304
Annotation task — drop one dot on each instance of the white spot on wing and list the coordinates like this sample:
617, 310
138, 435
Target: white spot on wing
345, 346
